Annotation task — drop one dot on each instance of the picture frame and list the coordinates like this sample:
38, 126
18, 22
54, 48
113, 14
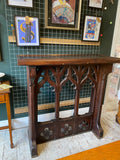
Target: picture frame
63, 15
27, 31
21, 3
92, 27
96, 3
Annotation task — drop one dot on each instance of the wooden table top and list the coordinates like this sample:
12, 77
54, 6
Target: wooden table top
6, 90
39, 60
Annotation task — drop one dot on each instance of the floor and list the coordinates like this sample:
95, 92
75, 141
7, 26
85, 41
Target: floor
58, 148
110, 151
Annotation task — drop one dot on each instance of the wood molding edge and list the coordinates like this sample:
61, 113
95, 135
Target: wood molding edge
12, 39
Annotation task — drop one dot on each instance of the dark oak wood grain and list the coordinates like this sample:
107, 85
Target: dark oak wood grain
34, 60
79, 69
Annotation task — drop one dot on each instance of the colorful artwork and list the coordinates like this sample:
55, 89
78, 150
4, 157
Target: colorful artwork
21, 3
27, 31
63, 14
63, 11
96, 3
92, 28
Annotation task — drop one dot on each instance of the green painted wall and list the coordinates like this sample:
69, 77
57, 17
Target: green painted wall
4, 64
106, 41
107, 28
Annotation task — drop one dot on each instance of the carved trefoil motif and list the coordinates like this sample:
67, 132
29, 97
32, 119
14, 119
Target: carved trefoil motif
46, 133
67, 129
84, 125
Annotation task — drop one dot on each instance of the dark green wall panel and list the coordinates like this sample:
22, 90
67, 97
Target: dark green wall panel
108, 29
4, 64
17, 75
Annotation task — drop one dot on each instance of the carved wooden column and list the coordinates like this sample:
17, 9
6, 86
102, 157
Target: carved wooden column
32, 107
77, 87
94, 88
103, 72
57, 92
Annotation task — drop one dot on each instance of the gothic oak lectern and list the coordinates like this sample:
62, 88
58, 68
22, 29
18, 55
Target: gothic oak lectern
83, 67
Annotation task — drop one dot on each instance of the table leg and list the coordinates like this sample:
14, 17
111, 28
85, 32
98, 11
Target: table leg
9, 117
96, 126
32, 106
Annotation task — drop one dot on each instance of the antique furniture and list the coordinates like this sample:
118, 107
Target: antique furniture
4, 98
77, 69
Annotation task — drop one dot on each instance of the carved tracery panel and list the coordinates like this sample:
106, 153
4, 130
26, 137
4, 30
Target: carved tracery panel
76, 76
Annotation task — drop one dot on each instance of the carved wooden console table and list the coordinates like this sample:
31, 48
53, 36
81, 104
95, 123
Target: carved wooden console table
93, 67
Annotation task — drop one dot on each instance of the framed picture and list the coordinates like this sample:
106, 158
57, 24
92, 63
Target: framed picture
96, 3
62, 14
27, 31
92, 28
21, 3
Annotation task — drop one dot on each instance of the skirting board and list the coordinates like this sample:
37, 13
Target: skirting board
23, 122
52, 105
